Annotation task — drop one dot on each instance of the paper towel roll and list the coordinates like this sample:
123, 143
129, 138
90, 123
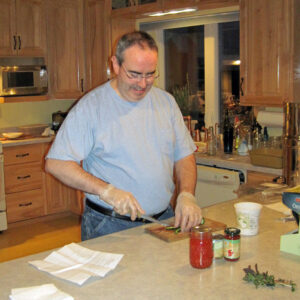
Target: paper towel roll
270, 119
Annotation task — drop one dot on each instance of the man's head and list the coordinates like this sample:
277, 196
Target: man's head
135, 64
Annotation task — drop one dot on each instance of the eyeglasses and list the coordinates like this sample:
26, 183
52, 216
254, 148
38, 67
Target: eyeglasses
139, 76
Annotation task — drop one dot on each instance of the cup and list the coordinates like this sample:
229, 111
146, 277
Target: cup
247, 214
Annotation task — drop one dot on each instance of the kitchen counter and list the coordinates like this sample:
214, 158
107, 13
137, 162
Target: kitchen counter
26, 141
154, 269
234, 161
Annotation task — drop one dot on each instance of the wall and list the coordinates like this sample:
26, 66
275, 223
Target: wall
28, 113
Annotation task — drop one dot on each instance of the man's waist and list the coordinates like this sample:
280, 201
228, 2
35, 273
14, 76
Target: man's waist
112, 213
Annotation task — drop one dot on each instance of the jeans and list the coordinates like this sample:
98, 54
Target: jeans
95, 224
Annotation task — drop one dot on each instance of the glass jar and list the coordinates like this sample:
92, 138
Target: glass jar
232, 244
201, 247
218, 245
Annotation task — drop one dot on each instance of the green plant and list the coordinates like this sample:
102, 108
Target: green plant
182, 96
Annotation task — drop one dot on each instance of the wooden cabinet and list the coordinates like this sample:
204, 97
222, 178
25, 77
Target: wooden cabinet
29, 191
60, 197
65, 48
269, 51
24, 182
96, 41
23, 28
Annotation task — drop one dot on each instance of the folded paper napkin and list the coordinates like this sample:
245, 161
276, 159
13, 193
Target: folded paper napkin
77, 264
40, 292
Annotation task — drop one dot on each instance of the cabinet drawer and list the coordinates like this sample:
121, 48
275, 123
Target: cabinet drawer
24, 205
23, 154
24, 177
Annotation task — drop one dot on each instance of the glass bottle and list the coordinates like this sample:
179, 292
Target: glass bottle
211, 142
227, 134
232, 244
201, 247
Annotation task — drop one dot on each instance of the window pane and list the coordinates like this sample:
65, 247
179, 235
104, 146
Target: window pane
184, 67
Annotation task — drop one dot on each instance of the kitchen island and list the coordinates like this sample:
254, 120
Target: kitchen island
154, 269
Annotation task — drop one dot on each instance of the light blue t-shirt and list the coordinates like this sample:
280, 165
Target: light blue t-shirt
132, 145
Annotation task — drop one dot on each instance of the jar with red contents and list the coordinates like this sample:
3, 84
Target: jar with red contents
232, 244
201, 247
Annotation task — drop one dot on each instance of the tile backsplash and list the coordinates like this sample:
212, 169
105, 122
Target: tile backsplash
25, 113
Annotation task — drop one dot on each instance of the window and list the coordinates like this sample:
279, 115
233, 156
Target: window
201, 55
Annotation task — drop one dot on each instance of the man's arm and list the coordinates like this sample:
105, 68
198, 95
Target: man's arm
73, 175
187, 212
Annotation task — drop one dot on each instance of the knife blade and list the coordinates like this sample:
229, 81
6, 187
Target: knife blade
148, 218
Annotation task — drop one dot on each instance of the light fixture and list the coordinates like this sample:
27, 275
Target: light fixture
171, 12
236, 62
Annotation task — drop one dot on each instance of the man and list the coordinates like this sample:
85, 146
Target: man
129, 136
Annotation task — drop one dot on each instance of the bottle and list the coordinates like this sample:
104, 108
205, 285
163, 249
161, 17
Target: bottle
232, 244
201, 247
227, 134
211, 142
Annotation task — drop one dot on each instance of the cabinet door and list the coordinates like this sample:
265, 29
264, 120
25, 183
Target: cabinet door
31, 27
97, 41
8, 39
65, 40
265, 45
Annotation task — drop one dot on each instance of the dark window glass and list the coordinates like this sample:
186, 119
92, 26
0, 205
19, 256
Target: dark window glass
19, 79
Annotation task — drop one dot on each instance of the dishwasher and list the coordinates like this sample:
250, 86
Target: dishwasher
216, 184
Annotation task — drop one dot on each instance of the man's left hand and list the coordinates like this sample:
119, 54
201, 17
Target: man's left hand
187, 213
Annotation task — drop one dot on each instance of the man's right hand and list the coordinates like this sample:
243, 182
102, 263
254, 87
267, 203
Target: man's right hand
123, 202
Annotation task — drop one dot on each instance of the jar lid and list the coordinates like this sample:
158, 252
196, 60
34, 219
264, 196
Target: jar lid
232, 231
200, 228
218, 236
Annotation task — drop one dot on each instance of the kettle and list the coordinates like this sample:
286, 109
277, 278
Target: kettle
57, 119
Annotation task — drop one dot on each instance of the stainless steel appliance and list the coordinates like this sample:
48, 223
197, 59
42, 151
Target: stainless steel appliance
23, 77
217, 184
3, 220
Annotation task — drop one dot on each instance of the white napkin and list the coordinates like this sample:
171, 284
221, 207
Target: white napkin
40, 292
77, 264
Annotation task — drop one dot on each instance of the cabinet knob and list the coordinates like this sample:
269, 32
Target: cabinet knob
241, 86
22, 155
19, 38
15, 42
25, 204
23, 177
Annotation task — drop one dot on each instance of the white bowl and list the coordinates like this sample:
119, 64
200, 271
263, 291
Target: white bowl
12, 135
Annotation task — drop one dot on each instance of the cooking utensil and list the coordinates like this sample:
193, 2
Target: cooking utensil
148, 218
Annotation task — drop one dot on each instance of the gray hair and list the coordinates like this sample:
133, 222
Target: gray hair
140, 38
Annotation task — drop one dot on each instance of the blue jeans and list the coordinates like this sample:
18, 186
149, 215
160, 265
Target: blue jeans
95, 224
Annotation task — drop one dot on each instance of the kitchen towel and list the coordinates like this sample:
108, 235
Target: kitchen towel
40, 292
77, 264
270, 119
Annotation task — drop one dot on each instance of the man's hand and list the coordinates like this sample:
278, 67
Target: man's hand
187, 213
123, 202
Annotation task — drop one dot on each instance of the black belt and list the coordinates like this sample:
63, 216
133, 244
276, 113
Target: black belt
112, 213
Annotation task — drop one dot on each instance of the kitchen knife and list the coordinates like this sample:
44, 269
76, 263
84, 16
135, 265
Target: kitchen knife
148, 218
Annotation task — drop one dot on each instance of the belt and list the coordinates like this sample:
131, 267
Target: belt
112, 213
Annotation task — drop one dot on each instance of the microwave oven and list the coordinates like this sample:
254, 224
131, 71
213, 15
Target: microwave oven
23, 80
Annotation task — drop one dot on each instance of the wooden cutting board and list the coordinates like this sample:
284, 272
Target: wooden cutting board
170, 236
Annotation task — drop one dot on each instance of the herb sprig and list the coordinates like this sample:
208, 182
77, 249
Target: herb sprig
264, 279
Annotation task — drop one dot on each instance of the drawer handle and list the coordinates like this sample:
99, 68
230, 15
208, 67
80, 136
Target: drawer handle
25, 204
22, 155
24, 177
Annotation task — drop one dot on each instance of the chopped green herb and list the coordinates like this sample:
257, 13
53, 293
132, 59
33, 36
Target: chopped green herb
264, 279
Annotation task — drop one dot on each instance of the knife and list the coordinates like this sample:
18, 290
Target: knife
148, 218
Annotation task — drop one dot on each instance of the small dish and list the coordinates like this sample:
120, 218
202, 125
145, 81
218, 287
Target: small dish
12, 135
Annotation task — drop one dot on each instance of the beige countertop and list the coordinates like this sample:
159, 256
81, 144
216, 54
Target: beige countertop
154, 269
27, 141
234, 161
